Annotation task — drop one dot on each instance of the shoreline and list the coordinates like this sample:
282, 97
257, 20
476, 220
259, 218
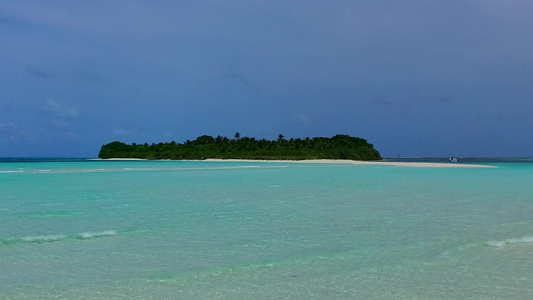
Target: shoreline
362, 163
325, 161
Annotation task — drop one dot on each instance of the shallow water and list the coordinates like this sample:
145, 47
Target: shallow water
220, 230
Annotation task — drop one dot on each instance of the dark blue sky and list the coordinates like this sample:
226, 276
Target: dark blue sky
422, 78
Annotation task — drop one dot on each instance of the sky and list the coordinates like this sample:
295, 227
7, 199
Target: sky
415, 78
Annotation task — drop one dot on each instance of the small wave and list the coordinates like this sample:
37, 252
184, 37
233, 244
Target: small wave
43, 238
11, 171
499, 244
90, 235
45, 170
210, 168
57, 237
230, 168
140, 169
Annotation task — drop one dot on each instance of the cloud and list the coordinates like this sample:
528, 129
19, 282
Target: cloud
121, 131
39, 73
61, 124
302, 119
347, 64
240, 79
11, 21
58, 110
89, 75
10, 131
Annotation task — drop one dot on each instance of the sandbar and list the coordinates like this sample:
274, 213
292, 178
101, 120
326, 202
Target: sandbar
118, 159
365, 163
330, 161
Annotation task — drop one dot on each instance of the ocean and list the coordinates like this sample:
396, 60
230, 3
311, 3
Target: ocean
89, 229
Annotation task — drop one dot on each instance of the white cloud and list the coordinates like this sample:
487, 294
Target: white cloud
302, 119
61, 124
56, 109
10, 131
121, 131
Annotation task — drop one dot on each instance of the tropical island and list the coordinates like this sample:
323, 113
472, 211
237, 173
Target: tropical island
206, 147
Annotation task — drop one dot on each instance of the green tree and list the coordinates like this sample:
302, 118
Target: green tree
337, 147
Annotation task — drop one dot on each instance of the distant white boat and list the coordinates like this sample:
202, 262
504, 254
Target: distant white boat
453, 159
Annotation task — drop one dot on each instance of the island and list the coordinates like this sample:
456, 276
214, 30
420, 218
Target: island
207, 147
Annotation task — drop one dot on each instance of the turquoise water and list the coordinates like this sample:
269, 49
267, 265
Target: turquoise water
221, 230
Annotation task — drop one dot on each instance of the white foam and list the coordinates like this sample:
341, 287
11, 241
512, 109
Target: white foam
11, 171
58, 237
90, 235
495, 244
43, 238
499, 244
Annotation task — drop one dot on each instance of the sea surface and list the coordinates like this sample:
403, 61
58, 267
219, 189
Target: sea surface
89, 229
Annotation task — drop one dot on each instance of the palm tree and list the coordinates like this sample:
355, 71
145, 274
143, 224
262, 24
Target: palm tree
237, 135
280, 137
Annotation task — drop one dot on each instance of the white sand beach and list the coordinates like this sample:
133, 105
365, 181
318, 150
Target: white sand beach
333, 161
360, 162
118, 159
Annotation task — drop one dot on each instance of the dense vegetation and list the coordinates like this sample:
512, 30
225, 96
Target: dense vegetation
337, 147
